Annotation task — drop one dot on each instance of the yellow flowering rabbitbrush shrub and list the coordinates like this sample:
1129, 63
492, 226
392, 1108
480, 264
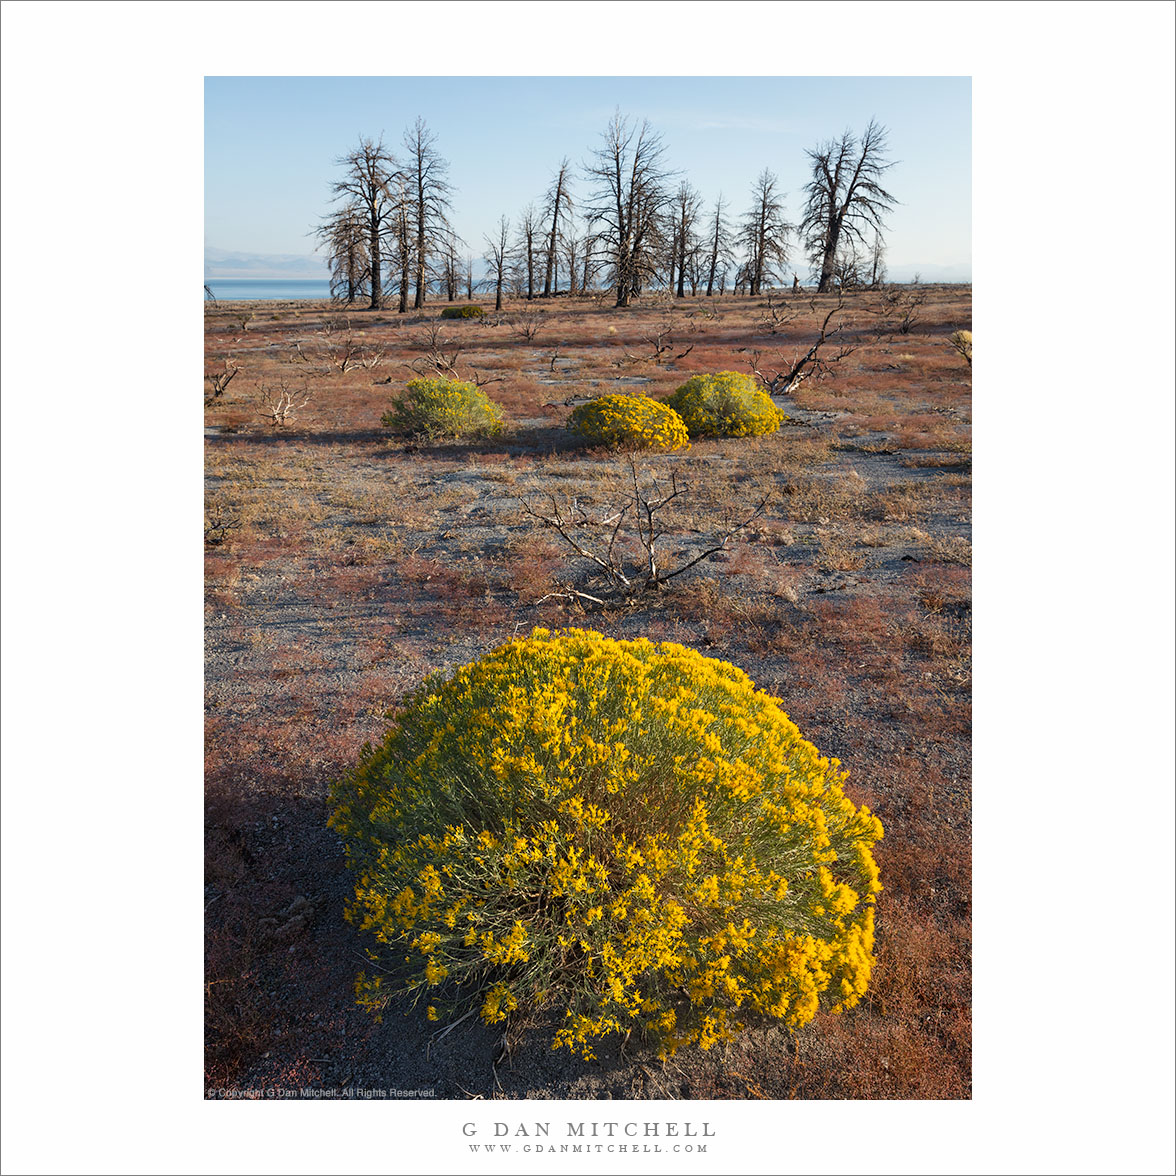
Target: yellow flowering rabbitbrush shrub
632, 421
630, 830
444, 408
725, 404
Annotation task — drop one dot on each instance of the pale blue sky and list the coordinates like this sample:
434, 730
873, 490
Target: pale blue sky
271, 142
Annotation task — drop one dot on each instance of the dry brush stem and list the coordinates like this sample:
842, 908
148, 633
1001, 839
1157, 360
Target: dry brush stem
219, 381
814, 362
436, 362
527, 324
661, 339
638, 512
280, 403
904, 303
345, 352
778, 316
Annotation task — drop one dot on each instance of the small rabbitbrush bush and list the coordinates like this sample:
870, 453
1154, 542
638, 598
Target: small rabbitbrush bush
627, 831
725, 404
434, 407
961, 343
463, 312
631, 422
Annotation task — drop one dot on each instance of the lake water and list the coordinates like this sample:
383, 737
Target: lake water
253, 289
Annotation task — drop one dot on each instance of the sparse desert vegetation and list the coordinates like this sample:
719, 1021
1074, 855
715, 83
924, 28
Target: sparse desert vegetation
347, 560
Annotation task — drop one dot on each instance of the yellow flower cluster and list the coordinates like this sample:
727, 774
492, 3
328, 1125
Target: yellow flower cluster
725, 404
633, 830
444, 408
630, 421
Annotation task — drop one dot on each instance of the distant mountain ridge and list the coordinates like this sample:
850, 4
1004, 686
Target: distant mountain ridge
960, 271
226, 263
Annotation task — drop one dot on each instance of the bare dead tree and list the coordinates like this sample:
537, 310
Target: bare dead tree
817, 361
591, 264
635, 523
764, 233
367, 192
845, 196
719, 249
901, 306
219, 381
849, 267
435, 359
571, 246
497, 256
243, 316
403, 239
629, 180
429, 191
344, 236
342, 350
450, 266
524, 251
878, 262
557, 207
684, 243
279, 402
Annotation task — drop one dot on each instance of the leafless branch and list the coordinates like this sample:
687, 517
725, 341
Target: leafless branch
280, 403
480, 381
777, 316
661, 340
219, 381
563, 526
569, 593
815, 362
